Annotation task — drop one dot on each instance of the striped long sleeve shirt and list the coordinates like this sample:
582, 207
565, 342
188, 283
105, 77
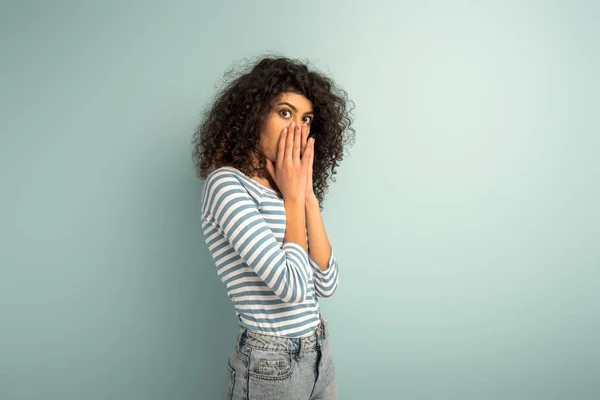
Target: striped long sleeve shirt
274, 285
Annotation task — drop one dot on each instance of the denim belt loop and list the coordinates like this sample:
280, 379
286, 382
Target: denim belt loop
242, 330
323, 325
302, 340
319, 337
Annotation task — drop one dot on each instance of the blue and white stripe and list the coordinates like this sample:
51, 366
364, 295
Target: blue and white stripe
274, 285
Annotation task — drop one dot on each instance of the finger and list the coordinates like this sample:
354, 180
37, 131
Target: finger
304, 138
297, 143
281, 146
289, 144
309, 151
310, 173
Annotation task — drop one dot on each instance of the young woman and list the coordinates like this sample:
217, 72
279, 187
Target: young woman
267, 146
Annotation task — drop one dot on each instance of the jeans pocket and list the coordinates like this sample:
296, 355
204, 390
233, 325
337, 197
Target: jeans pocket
270, 365
229, 382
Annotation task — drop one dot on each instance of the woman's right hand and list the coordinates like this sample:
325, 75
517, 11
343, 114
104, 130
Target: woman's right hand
289, 171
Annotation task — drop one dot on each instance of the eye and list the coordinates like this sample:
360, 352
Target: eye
308, 120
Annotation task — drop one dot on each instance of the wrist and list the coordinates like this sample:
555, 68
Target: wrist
311, 199
294, 200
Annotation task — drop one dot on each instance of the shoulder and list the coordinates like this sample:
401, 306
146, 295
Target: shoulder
231, 177
223, 175
228, 180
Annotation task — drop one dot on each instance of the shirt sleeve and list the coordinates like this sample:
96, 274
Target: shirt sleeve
232, 211
325, 281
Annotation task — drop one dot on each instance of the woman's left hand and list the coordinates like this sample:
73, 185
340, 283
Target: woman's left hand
310, 194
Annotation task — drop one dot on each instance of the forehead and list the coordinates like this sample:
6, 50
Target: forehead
295, 99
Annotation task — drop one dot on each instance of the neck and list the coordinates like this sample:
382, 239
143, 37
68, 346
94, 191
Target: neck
266, 178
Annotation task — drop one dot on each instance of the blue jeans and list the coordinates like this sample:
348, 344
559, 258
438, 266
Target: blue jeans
281, 368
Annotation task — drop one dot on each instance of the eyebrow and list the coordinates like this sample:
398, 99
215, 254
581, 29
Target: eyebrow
294, 108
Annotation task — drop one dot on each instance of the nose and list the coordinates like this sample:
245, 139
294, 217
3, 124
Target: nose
300, 121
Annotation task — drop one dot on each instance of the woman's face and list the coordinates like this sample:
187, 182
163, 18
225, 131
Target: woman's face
289, 107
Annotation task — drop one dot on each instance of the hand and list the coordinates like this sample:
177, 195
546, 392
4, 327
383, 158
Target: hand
309, 175
290, 171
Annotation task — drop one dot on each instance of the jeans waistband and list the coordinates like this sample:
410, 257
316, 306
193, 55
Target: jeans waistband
263, 341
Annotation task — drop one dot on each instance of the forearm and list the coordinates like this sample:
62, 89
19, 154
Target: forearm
295, 223
320, 248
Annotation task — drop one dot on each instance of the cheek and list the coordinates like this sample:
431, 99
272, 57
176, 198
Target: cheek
272, 134
271, 144
275, 134
274, 143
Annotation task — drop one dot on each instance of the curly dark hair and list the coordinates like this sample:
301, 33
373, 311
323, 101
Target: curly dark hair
230, 131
